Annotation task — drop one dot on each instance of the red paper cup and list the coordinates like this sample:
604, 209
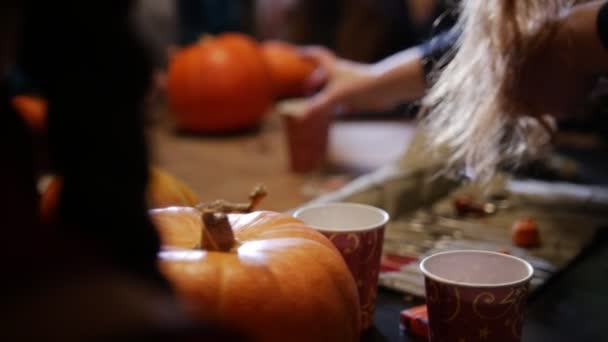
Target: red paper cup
475, 295
357, 231
307, 140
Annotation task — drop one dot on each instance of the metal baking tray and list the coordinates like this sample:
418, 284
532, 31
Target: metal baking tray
423, 219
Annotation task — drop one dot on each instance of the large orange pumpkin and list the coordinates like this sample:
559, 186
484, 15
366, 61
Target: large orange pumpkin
163, 190
218, 85
288, 68
265, 274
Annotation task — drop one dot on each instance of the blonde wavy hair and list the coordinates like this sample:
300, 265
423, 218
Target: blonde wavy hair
473, 107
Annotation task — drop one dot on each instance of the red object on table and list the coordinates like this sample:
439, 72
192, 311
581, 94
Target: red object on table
416, 321
307, 141
525, 234
394, 263
467, 205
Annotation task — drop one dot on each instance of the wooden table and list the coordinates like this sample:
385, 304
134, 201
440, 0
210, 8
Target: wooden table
229, 166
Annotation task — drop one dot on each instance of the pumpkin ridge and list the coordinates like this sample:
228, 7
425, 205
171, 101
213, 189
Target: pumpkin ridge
290, 240
330, 270
275, 227
288, 228
311, 234
260, 218
222, 289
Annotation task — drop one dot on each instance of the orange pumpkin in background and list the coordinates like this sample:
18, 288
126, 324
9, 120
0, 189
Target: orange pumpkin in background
265, 274
219, 85
163, 190
288, 68
32, 109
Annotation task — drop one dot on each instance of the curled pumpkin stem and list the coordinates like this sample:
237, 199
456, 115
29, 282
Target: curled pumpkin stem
217, 232
256, 197
222, 206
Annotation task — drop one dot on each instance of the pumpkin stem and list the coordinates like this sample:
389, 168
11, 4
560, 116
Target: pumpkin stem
256, 197
217, 232
222, 206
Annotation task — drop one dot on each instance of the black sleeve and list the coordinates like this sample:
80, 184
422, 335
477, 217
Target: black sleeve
602, 24
437, 47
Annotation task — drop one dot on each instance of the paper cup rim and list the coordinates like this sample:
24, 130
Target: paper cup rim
432, 276
382, 212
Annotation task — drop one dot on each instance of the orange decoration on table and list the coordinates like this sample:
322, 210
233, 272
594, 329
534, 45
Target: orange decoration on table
525, 233
32, 109
262, 273
163, 190
218, 85
288, 68
467, 205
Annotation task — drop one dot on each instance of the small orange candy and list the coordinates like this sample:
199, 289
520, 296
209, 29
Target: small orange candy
525, 233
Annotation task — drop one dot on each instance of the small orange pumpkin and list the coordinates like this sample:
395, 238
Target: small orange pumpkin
288, 68
265, 274
219, 85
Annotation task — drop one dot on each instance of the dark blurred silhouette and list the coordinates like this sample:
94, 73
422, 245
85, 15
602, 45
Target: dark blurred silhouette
92, 273
199, 17
359, 30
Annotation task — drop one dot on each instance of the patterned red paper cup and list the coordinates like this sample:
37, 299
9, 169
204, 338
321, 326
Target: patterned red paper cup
307, 140
357, 231
475, 295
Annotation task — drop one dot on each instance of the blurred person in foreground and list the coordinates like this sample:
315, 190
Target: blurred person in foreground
360, 30
90, 273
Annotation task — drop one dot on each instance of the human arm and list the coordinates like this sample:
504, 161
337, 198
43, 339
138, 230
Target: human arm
400, 78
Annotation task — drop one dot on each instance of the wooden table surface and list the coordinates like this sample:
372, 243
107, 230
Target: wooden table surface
228, 167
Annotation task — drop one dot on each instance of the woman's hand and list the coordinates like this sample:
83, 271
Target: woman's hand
347, 87
344, 85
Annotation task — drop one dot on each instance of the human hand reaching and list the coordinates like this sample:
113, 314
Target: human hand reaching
346, 86
343, 85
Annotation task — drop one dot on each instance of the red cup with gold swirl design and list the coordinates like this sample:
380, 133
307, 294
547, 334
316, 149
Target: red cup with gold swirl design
357, 231
475, 295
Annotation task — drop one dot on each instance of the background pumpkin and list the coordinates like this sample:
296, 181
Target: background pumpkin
32, 109
218, 85
164, 190
288, 68
283, 281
